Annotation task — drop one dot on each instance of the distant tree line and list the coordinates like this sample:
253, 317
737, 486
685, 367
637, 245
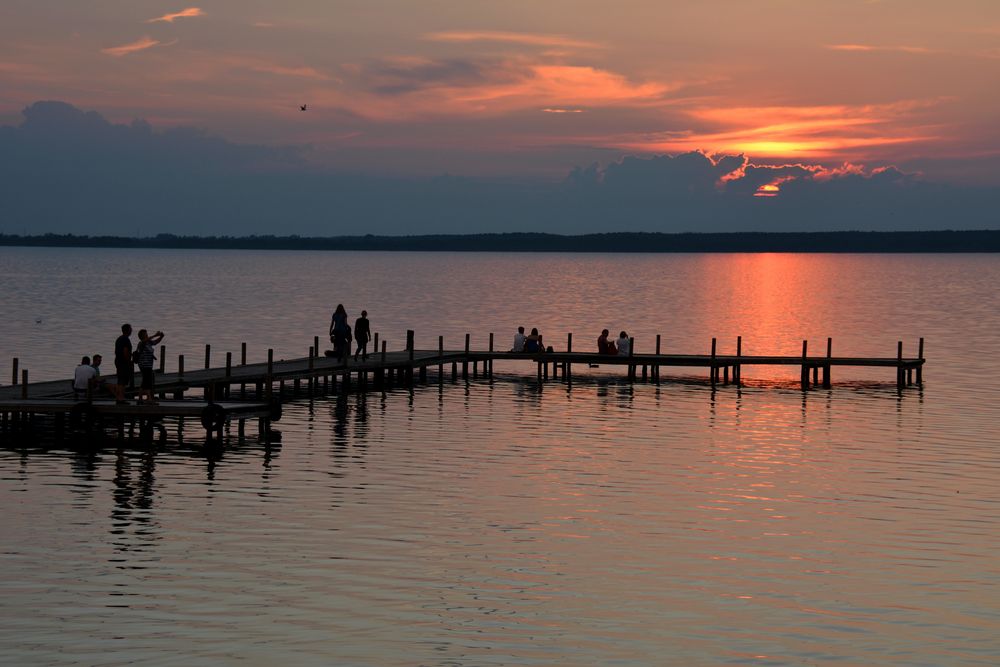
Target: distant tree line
853, 241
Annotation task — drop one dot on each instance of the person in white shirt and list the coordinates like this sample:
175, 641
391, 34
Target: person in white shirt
82, 377
519, 338
624, 346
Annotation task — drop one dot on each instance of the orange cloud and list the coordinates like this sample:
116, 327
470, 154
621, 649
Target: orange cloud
815, 132
190, 12
140, 44
869, 47
532, 39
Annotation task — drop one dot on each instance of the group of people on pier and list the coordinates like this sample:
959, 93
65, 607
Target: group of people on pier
87, 377
341, 335
622, 347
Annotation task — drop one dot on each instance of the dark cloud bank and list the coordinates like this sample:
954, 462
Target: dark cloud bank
68, 171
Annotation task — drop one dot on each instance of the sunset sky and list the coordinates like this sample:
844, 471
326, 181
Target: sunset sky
526, 91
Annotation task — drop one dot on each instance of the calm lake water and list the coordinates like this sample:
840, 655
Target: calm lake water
496, 523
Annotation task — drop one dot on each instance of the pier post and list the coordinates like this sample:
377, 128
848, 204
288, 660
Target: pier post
409, 347
270, 372
243, 354
488, 364
440, 357
631, 352
900, 373
738, 367
24, 384
315, 347
711, 372
826, 367
805, 368
465, 360
920, 368
655, 370
568, 367
383, 352
179, 393
163, 359
14, 381
208, 356
374, 345
229, 373
311, 383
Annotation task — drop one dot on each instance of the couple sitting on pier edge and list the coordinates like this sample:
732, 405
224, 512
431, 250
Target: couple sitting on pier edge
605, 346
530, 343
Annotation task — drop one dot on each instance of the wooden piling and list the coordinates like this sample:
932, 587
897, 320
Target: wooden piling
383, 352
920, 368
208, 356
568, 367
805, 367
826, 366
713, 371
900, 368
163, 359
14, 381
269, 380
24, 384
440, 357
655, 370
738, 367
631, 352
488, 364
465, 362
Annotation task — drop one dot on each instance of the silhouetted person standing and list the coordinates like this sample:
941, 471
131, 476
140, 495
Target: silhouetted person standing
362, 334
123, 362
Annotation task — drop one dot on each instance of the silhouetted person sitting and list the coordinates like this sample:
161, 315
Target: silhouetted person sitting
533, 342
624, 345
519, 339
605, 346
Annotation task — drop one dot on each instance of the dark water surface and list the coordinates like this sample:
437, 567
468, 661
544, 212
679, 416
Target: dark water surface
494, 523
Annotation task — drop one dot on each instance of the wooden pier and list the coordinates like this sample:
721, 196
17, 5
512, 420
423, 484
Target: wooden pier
244, 390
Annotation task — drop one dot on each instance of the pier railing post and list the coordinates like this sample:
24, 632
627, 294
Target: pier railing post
920, 367
14, 381
383, 351
488, 364
712, 370
24, 384
163, 359
229, 374
738, 367
243, 354
270, 372
805, 367
440, 356
826, 367
179, 393
374, 344
465, 359
315, 347
208, 356
631, 352
900, 373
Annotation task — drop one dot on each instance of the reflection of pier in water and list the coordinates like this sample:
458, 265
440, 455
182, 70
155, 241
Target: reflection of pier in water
237, 392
